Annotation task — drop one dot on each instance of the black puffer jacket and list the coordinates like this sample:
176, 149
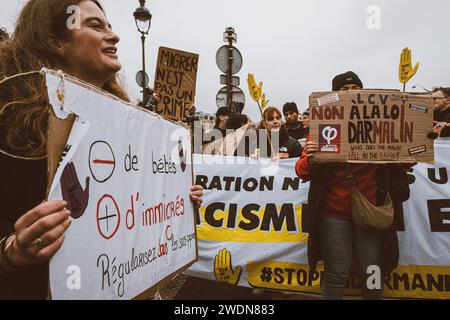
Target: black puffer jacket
296, 130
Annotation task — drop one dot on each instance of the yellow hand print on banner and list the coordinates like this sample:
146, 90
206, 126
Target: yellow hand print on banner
405, 70
255, 90
223, 270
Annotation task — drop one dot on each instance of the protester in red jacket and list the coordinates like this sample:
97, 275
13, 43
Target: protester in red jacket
333, 237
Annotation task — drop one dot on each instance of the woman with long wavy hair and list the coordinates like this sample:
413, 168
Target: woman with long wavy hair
287, 147
31, 229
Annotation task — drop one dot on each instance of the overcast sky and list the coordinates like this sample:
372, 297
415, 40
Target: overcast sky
294, 46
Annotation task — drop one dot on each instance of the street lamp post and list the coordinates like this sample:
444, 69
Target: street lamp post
143, 18
230, 36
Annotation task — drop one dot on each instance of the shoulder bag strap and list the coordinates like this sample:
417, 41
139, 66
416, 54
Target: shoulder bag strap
349, 177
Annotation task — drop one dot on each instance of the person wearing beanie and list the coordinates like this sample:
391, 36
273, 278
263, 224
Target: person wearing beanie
332, 236
346, 81
293, 125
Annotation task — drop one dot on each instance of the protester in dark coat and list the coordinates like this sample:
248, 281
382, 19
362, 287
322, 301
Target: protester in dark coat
441, 112
293, 125
328, 219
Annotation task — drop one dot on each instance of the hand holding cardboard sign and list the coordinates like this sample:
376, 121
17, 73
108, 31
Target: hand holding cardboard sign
405, 70
255, 90
438, 126
72, 191
223, 270
311, 148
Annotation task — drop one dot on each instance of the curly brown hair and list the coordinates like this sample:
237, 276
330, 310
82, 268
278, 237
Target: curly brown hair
24, 106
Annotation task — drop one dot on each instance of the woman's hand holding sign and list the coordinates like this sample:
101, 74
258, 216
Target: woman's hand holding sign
38, 234
196, 194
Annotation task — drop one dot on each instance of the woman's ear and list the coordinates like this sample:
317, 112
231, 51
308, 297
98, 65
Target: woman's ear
57, 46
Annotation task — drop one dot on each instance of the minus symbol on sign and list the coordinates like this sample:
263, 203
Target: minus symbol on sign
97, 161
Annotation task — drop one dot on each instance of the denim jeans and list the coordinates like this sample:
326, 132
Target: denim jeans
338, 240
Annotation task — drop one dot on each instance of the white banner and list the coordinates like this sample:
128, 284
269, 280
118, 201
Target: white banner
250, 231
126, 175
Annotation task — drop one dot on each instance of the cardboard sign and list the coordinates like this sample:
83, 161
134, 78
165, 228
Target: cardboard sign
132, 219
175, 78
371, 126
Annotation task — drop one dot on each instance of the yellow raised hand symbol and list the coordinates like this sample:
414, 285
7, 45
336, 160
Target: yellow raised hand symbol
223, 270
255, 90
405, 70
264, 101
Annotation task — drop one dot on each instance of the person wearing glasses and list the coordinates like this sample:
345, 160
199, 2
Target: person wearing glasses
441, 112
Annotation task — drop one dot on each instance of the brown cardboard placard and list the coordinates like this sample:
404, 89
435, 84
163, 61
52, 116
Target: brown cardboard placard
371, 126
175, 78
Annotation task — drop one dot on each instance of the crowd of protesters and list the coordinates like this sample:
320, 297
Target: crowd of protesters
296, 125
270, 136
334, 238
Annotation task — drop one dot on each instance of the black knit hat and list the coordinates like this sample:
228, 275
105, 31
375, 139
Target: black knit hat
224, 111
290, 106
346, 78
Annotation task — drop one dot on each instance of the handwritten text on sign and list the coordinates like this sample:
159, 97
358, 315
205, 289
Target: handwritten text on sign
175, 78
371, 126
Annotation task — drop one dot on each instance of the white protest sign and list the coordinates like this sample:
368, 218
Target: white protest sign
126, 175
251, 215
